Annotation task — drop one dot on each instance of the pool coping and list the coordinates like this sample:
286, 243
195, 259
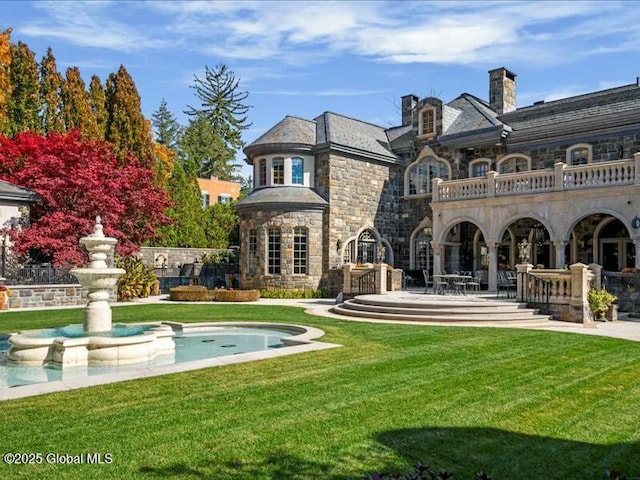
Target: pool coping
301, 343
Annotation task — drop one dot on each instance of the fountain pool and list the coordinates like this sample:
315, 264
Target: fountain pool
197, 345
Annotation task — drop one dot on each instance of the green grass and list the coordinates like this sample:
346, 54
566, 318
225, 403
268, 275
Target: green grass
517, 404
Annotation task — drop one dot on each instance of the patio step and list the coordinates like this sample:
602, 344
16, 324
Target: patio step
437, 308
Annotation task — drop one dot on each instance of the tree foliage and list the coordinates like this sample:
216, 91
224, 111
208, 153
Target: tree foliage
97, 97
167, 129
219, 121
126, 128
24, 103
51, 94
78, 113
222, 225
77, 180
5, 79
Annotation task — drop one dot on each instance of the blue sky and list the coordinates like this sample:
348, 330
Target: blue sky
353, 58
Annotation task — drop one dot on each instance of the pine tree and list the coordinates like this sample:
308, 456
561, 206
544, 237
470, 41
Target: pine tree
222, 106
201, 147
167, 129
50, 94
126, 127
77, 105
24, 103
98, 101
5, 79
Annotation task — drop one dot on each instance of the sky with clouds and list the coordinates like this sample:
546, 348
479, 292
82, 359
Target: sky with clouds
354, 58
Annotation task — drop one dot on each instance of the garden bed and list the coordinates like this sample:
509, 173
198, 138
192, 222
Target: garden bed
200, 293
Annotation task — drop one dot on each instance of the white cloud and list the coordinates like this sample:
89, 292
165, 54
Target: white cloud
319, 93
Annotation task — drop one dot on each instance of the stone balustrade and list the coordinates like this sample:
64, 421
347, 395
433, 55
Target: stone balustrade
560, 178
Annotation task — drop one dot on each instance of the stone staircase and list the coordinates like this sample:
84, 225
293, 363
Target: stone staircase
418, 307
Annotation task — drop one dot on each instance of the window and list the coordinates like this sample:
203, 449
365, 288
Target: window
262, 172
514, 164
205, 199
224, 198
278, 171
274, 251
366, 247
579, 154
479, 168
421, 245
428, 121
297, 171
421, 175
300, 250
253, 252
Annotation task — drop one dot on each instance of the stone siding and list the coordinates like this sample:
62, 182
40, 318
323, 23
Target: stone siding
175, 256
47, 296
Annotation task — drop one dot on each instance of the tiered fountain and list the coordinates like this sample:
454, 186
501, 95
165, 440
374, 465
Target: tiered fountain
96, 341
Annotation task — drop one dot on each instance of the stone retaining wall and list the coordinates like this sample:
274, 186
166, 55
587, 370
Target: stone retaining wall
29, 296
174, 257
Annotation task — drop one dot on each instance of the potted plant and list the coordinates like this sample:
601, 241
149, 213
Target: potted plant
600, 301
4, 297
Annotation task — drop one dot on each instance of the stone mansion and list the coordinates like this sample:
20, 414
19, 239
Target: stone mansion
454, 187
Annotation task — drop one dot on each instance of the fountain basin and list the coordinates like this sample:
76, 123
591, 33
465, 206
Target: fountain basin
37, 348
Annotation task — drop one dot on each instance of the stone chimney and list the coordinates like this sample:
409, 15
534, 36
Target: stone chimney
502, 90
409, 102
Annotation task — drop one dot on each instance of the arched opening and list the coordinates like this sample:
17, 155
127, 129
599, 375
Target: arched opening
536, 234
602, 239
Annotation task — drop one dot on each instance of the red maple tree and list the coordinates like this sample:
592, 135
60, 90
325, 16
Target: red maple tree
77, 180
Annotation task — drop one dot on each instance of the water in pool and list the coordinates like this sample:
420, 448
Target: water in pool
190, 346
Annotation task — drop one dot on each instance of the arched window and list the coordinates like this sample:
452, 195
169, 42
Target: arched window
297, 171
300, 251
479, 167
277, 169
427, 121
422, 248
579, 154
514, 163
421, 174
366, 247
262, 172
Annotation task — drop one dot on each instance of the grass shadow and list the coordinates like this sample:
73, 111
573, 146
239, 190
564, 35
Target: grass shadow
509, 455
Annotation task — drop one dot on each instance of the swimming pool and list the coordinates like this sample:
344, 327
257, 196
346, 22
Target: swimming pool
198, 345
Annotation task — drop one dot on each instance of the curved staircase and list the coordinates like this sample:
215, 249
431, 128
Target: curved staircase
438, 308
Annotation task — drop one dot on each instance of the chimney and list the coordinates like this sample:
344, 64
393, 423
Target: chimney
502, 90
409, 102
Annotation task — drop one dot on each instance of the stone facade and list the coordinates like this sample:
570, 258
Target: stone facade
47, 296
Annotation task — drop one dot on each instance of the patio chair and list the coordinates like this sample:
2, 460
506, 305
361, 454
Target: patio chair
474, 283
440, 285
506, 284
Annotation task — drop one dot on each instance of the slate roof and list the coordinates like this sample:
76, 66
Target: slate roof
12, 192
278, 196
355, 135
294, 132
475, 115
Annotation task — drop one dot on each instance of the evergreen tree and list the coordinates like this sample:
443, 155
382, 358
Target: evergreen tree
222, 107
97, 97
167, 129
50, 94
5, 79
77, 105
201, 147
24, 103
126, 127
188, 227
222, 225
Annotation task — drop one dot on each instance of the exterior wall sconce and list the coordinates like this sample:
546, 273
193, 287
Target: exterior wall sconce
635, 223
338, 245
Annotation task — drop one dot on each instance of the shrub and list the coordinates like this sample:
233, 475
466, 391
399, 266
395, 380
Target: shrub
294, 293
600, 300
200, 293
137, 281
222, 295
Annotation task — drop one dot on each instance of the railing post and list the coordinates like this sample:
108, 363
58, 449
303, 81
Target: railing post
578, 305
522, 269
435, 189
380, 278
491, 183
346, 278
636, 164
597, 273
558, 176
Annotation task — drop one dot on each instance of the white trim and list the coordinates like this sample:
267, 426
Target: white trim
421, 133
472, 163
577, 146
512, 156
414, 164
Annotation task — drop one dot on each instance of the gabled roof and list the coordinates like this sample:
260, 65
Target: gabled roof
12, 192
353, 136
475, 115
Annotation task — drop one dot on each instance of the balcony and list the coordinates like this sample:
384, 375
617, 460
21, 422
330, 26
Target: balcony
560, 178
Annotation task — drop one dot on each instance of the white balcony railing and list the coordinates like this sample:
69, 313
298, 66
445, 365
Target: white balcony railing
561, 177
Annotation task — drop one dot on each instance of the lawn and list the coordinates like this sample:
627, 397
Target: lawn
517, 404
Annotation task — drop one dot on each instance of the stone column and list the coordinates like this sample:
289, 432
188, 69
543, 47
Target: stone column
558, 176
636, 242
578, 305
437, 258
560, 246
491, 183
381, 278
492, 248
346, 277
